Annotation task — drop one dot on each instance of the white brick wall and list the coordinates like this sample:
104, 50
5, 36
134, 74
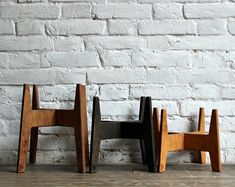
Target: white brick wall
179, 52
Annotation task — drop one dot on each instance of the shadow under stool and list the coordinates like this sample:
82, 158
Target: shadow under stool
141, 129
197, 141
33, 117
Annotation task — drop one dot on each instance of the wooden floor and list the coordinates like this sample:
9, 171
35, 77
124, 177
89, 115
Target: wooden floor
117, 175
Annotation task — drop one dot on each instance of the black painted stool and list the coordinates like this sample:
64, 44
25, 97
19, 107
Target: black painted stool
141, 129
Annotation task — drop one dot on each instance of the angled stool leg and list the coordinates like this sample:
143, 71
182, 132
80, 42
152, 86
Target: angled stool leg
200, 156
149, 136
215, 142
34, 130
23, 149
141, 117
156, 126
80, 150
24, 130
142, 150
163, 142
33, 145
80, 103
80, 130
95, 135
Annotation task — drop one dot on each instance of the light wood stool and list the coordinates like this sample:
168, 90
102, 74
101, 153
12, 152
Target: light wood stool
197, 141
141, 129
33, 117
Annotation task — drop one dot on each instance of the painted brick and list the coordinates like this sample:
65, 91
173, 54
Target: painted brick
29, 11
4, 60
71, 59
119, 43
211, 27
76, 11
122, 11
42, 76
189, 76
57, 93
6, 28
68, 44
116, 76
119, 108
114, 92
11, 111
169, 1
191, 42
167, 27
228, 92
32, 43
209, 10
231, 27
180, 59
122, 27
225, 108
11, 94
171, 106
168, 11
117, 59
165, 92
30, 28
205, 91
206, 60
30, 1
227, 124
75, 27
25, 61
89, 1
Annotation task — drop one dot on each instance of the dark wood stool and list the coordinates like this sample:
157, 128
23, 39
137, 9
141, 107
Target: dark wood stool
197, 141
141, 129
33, 117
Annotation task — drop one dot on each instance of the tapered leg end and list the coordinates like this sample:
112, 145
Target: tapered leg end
21, 168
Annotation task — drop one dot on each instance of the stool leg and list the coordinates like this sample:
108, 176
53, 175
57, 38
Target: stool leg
23, 149
157, 136
141, 118
34, 130
142, 149
81, 132
149, 136
80, 150
95, 136
25, 128
215, 144
200, 156
33, 145
80, 104
163, 143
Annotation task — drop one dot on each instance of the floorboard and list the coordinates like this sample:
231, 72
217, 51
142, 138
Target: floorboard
117, 175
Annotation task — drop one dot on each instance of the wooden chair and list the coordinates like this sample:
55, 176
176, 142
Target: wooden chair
141, 129
33, 117
197, 141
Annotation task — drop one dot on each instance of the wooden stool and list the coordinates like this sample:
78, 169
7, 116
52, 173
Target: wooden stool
141, 129
197, 141
33, 117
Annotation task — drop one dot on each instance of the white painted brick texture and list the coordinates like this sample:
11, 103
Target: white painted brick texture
179, 52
